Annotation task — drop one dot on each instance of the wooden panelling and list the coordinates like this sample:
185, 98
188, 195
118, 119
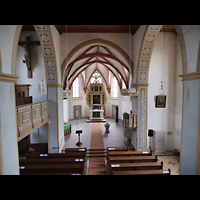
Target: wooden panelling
31, 117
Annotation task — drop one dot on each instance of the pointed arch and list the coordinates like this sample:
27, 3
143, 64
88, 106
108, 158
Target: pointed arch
102, 56
93, 42
146, 50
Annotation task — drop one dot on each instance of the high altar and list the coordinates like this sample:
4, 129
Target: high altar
96, 98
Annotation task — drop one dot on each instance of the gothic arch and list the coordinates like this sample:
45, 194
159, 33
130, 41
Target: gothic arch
147, 46
92, 42
100, 60
46, 41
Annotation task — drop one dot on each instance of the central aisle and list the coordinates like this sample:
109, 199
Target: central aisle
97, 156
96, 137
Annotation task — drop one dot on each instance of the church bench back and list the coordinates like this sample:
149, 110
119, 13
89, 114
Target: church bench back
51, 161
57, 155
38, 169
117, 149
75, 150
136, 159
129, 153
135, 166
143, 172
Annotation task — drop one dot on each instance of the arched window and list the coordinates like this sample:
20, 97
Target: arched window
114, 88
76, 89
96, 78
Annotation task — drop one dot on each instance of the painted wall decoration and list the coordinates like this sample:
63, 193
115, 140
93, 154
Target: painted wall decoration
45, 37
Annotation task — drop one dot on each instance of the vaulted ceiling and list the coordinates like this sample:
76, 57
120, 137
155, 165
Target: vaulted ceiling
100, 58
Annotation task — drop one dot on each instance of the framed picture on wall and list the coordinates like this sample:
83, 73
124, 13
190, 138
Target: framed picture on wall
160, 101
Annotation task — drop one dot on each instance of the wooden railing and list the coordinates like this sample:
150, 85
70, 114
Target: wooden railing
30, 117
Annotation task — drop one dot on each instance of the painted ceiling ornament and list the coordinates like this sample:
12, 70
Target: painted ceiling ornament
150, 38
144, 64
154, 27
146, 51
143, 76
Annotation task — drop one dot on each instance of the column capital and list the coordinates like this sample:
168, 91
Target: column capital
190, 76
8, 78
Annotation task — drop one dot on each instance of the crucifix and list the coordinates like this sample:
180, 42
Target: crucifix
27, 45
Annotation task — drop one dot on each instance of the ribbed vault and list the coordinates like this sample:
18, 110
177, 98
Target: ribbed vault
97, 58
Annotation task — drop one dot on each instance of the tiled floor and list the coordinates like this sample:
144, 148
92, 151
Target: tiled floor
170, 161
114, 139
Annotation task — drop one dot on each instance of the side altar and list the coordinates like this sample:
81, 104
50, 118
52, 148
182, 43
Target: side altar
96, 99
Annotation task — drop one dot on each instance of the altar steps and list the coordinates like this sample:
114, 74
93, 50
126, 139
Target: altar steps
93, 120
96, 153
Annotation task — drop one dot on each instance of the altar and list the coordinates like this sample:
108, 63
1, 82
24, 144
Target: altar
96, 115
96, 100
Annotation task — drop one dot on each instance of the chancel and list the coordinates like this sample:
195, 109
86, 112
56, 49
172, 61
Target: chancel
123, 79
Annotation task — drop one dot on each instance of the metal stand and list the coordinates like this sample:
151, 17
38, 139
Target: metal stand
79, 143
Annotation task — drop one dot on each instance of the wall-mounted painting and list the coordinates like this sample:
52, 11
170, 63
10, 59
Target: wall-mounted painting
161, 101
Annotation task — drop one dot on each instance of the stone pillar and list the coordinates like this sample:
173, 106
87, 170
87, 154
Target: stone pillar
9, 158
56, 125
190, 151
142, 119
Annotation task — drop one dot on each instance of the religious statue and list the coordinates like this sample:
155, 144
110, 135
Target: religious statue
107, 126
27, 45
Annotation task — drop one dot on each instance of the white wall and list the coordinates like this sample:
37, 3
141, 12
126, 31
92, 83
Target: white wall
38, 72
7, 33
38, 68
8, 133
166, 66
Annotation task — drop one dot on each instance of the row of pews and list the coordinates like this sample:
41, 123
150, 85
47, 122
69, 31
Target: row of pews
123, 162
120, 161
72, 162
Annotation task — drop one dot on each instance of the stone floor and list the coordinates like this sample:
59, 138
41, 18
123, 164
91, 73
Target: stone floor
114, 139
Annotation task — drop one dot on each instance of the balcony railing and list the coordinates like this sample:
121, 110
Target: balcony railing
31, 117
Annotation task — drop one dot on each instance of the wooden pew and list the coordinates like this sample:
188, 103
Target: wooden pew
51, 161
135, 166
73, 161
51, 169
134, 163
127, 160
117, 149
143, 172
56, 155
136, 159
129, 153
75, 150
